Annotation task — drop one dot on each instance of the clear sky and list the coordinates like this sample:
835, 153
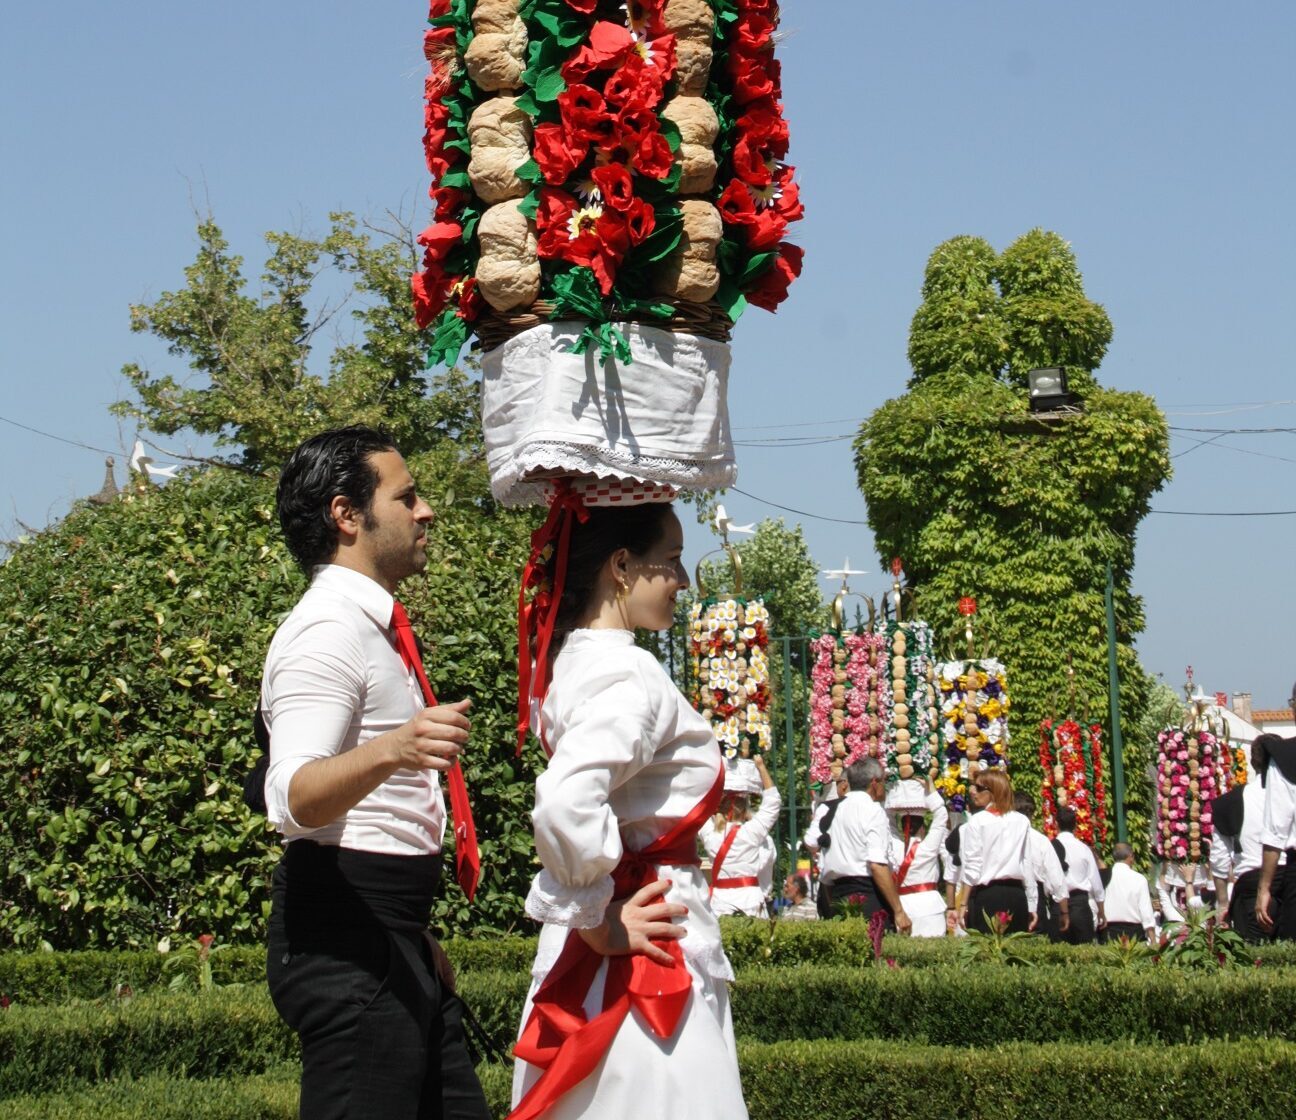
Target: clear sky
1156, 137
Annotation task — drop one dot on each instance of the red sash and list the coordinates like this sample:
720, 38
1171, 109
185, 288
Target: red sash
917, 888
904, 866
725, 845
742, 881
557, 1037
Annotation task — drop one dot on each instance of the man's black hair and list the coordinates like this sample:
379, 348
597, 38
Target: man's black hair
1066, 819
327, 465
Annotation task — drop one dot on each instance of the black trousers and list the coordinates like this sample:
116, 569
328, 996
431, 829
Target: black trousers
1241, 910
1000, 896
1080, 929
1116, 930
1284, 889
858, 887
350, 970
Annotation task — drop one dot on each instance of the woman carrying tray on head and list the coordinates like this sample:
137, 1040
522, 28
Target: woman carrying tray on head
628, 1014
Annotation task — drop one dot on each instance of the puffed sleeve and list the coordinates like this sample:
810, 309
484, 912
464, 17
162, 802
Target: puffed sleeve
970, 850
606, 736
765, 818
311, 693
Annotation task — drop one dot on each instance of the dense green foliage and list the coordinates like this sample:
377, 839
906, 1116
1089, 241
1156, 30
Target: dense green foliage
131, 656
979, 499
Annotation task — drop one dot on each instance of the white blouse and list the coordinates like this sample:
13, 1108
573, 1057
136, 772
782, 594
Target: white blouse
630, 759
751, 855
925, 867
995, 846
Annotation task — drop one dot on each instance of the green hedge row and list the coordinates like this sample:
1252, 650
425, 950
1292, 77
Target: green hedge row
236, 1031
40, 978
832, 1080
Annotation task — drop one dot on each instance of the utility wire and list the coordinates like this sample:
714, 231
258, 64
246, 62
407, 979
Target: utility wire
61, 439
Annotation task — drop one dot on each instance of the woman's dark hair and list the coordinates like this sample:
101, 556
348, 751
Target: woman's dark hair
607, 528
327, 465
1066, 819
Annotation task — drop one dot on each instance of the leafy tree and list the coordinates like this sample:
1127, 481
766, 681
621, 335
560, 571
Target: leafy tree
979, 499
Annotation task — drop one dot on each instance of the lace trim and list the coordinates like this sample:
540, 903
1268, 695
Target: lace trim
511, 487
551, 902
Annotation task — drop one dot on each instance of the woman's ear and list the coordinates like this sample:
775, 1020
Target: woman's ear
619, 567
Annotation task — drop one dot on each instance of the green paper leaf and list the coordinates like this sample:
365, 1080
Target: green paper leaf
456, 177
731, 257
756, 265
666, 234
448, 340
577, 292
658, 308
530, 204
732, 300
529, 172
549, 85
471, 216
527, 103
670, 130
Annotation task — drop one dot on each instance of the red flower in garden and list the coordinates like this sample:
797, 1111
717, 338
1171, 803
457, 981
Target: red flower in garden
557, 154
772, 285
615, 187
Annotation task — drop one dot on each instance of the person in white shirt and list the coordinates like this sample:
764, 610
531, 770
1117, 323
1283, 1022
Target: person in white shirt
831, 795
855, 864
1054, 901
353, 786
744, 839
915, 849
1278, 836
1236, 852
995, 877
628, 1012
1128, 901
1083, 881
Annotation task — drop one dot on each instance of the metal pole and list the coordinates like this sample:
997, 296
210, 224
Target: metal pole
1113, 689
790, 733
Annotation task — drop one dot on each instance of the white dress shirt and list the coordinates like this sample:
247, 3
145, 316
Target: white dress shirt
749, 856
811, 837
1128, 897
333, 681
994, 846
925, 866
630, 759
1232, 856
1045, 867
859, 837
1279, 811
1082, 869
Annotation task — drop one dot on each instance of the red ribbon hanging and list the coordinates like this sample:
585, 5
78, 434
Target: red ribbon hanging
467, 857
557, 1037
536, 617
725, 845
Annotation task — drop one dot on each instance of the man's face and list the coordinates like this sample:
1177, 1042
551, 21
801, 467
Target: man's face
789, 889
392, 538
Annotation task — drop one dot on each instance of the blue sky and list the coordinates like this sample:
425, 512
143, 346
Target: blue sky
1155, 137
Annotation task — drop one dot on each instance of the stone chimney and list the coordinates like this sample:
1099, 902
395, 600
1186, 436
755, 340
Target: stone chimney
1242, 705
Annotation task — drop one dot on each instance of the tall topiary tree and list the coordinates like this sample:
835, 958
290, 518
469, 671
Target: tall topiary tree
979, 499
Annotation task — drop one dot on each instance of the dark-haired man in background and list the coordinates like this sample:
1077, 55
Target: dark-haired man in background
353, 786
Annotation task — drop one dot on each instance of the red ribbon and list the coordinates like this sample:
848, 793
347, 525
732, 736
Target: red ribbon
908, 859
536, 617
741, 881
557, 1037
467, 857
917, 888
725, 845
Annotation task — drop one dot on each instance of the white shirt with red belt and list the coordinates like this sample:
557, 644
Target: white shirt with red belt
738, 889
919, 861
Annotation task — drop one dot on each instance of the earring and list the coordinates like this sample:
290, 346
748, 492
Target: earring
622, 592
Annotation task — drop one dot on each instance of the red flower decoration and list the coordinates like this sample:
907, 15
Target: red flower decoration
585, 7
592, 236
967, 605
897, 566
438, 239
772, 285
556, 153
584, 115
615, 187
431, 289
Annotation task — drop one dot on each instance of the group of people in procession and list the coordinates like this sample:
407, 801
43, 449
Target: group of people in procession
628, 1009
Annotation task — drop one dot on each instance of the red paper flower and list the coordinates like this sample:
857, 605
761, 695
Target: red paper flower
557, 153
634, 84
449, 201
437, 8
585, 115
431, 289
752, 34
640, 220
593, 236
615, 187
652, 158
967, 605
438, 239
772, 285
585, 7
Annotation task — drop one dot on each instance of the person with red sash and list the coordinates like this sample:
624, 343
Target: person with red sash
914, 849
628, 1013
739, 847
359, 747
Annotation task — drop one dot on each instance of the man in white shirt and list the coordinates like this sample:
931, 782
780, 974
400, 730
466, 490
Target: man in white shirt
1236, 851
1054, 902
854, 864
353, 787
1128, 902
1083, 881
1278, 835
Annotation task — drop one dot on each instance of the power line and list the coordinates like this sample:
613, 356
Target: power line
61, 439
798, 512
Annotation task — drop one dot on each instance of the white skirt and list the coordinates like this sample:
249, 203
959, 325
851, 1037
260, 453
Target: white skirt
693, 1075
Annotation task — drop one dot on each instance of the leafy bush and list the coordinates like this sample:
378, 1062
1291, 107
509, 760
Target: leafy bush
131, 647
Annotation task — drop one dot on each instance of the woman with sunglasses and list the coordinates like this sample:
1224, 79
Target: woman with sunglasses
993, 848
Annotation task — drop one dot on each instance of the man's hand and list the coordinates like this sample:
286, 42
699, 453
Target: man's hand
433, 739
1064, 920
630, 926
903, 922
1263, 917
1030, 928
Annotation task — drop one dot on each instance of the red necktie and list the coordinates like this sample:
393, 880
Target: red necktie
467, 859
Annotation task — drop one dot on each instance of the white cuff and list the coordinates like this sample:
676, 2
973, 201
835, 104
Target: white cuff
555, 904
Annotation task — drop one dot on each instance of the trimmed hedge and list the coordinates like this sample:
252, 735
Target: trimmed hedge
832, 1080
41, 978
233, 1032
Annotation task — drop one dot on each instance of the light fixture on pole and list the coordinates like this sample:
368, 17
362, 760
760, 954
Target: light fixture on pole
1048, 389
